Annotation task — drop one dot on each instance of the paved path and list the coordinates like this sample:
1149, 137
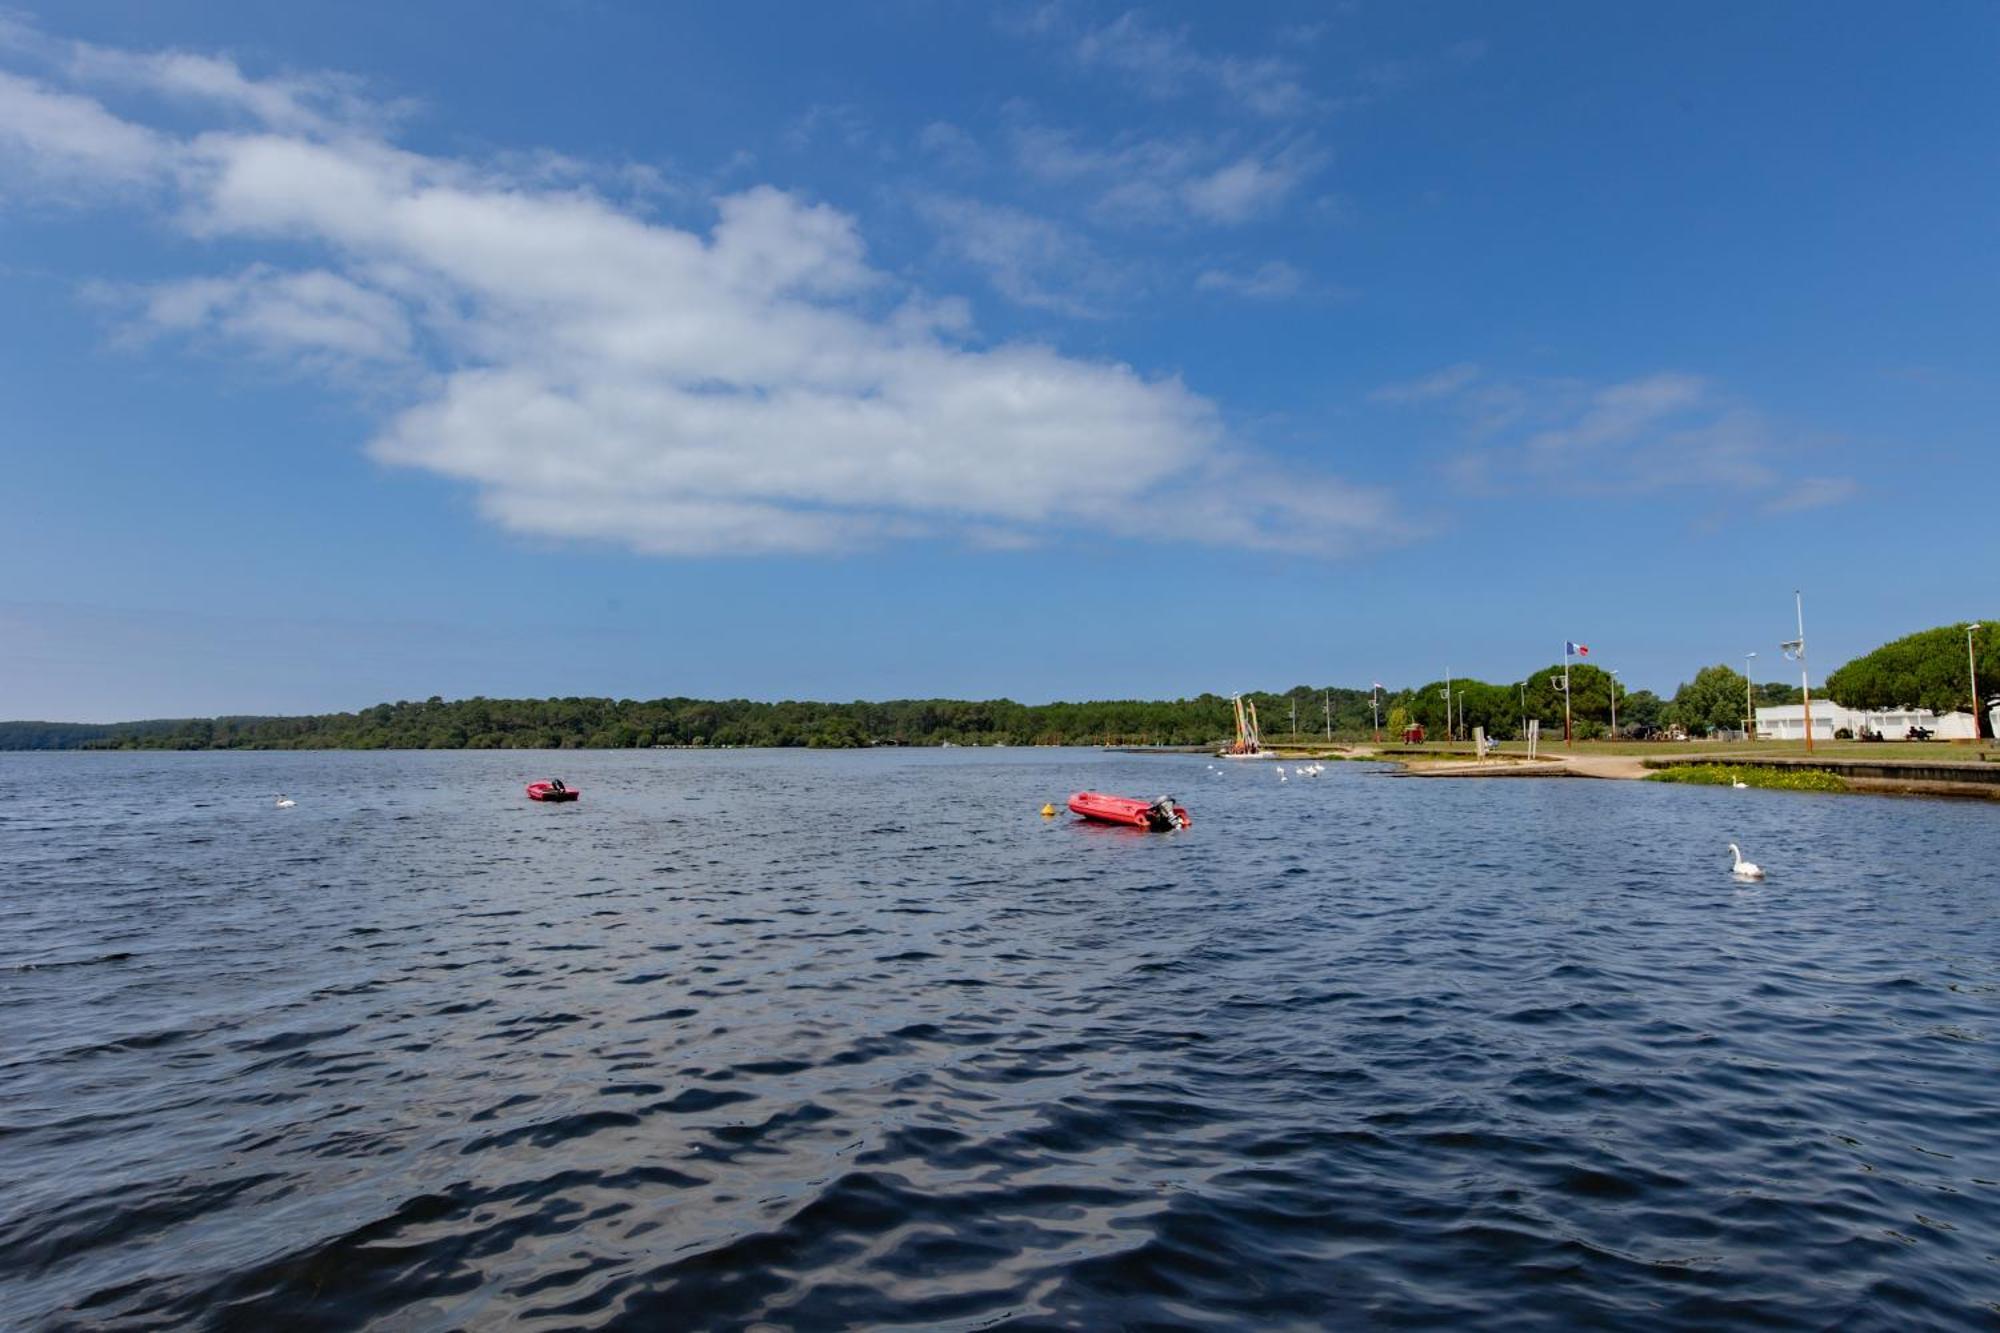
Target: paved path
1548, 766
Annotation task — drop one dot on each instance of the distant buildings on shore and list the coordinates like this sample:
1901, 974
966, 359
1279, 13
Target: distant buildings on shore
1787, 722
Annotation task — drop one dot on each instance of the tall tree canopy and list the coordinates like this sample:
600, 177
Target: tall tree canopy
1927, 669
1712, 701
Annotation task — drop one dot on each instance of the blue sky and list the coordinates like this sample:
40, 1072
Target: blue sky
360, 352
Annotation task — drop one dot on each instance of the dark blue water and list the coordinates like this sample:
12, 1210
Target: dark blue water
859, 1040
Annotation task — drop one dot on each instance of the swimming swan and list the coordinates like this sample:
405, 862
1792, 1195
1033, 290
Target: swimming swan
1738, 783
1745, 869
286, 802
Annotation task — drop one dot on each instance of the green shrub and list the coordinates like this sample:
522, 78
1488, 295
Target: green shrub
1783, 779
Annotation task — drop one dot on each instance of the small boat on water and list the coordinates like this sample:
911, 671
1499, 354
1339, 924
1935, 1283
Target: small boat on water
1249, 742
1161, 816
552, 790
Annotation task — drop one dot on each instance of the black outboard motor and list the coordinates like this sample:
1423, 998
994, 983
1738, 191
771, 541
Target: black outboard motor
1163, 816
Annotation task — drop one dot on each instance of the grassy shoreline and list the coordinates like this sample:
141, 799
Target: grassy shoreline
1779, 779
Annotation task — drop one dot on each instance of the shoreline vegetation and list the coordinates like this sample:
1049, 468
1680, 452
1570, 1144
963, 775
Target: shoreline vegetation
1754, 775
622, 724
1925, 669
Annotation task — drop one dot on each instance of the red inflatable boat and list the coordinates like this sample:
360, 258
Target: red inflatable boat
1161, 815
551, 791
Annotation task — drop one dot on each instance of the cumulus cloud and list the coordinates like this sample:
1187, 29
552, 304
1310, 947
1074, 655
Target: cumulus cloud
60, 139
283, 313
757, 385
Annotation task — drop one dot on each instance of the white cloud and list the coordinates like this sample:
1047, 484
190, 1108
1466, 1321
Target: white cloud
1164, 63
1439, 384
1813, 493
59, 138
952, 146
1030, 260
1656, 433
1168, 181
284, 314
317, 103
1271, 281
840, 123
758, 386
1246, 188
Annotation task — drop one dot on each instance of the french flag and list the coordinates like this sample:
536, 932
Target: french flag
1580, 649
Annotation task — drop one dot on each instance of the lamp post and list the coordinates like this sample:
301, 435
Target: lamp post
1749, 709
1449, 734
1796, 650
1614, 705
1524, 710
1972, 670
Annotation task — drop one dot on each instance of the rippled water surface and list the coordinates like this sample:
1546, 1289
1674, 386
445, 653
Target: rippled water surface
859, 1040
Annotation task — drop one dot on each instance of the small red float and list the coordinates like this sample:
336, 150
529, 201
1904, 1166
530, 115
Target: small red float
551, 791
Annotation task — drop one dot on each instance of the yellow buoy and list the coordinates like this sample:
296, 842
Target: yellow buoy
1048, 812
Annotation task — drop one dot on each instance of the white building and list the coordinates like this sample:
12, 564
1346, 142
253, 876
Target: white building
1787, 722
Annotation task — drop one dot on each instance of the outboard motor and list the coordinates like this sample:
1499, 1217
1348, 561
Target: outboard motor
1162, 815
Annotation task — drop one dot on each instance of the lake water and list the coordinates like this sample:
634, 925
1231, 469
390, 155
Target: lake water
834, 1040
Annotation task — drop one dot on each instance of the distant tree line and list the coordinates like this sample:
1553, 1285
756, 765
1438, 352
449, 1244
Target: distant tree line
589, 723
1925, 670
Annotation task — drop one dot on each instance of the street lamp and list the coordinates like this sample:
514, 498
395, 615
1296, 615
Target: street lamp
1795, 651
1749, 709
1614, 705
1972, 669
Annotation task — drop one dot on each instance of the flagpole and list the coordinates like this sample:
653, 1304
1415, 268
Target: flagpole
1568, 742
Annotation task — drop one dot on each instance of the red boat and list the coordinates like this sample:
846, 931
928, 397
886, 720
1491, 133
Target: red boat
1161, 815
551, 791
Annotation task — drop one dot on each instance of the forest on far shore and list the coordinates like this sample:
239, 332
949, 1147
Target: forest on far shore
1928, 669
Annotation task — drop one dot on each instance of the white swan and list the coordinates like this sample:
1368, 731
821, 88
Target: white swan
285, 802
1738, 783
1745, 869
